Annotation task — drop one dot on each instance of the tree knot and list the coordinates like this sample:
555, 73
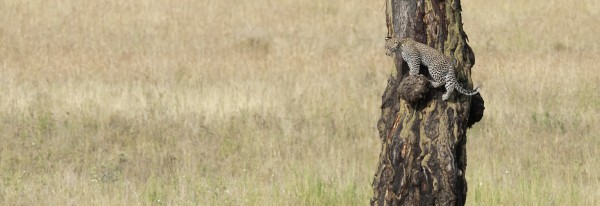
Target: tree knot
413, 88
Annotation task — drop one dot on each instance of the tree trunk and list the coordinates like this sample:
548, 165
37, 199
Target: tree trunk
423, 155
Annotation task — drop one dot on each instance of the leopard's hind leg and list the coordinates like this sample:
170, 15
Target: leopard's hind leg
436, 84
450, 83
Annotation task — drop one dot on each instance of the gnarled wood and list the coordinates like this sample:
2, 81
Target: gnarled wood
423, 156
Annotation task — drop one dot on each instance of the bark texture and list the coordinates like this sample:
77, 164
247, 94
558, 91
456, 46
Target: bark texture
423, 156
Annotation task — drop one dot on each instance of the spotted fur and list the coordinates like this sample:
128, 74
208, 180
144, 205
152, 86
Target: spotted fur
440, 67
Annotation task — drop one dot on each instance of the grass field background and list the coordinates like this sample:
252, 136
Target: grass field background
275, 102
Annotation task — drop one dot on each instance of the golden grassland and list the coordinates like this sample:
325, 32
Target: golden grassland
275, 102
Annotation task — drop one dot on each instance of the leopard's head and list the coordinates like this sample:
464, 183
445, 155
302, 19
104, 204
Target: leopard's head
391, 45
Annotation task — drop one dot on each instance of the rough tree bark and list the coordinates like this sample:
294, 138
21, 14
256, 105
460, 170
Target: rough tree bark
423, 156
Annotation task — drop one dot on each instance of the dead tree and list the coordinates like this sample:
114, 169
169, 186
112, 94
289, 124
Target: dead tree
423, 156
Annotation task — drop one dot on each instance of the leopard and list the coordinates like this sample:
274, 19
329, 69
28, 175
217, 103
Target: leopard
439, 65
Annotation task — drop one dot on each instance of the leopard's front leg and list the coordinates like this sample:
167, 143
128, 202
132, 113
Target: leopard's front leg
413, 61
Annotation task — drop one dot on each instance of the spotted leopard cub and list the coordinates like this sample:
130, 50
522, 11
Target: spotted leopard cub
440, 67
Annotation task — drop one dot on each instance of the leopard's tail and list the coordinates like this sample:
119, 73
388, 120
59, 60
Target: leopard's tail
466, 91
457, 86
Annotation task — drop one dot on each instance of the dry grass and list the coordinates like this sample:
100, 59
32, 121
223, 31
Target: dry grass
275, 102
